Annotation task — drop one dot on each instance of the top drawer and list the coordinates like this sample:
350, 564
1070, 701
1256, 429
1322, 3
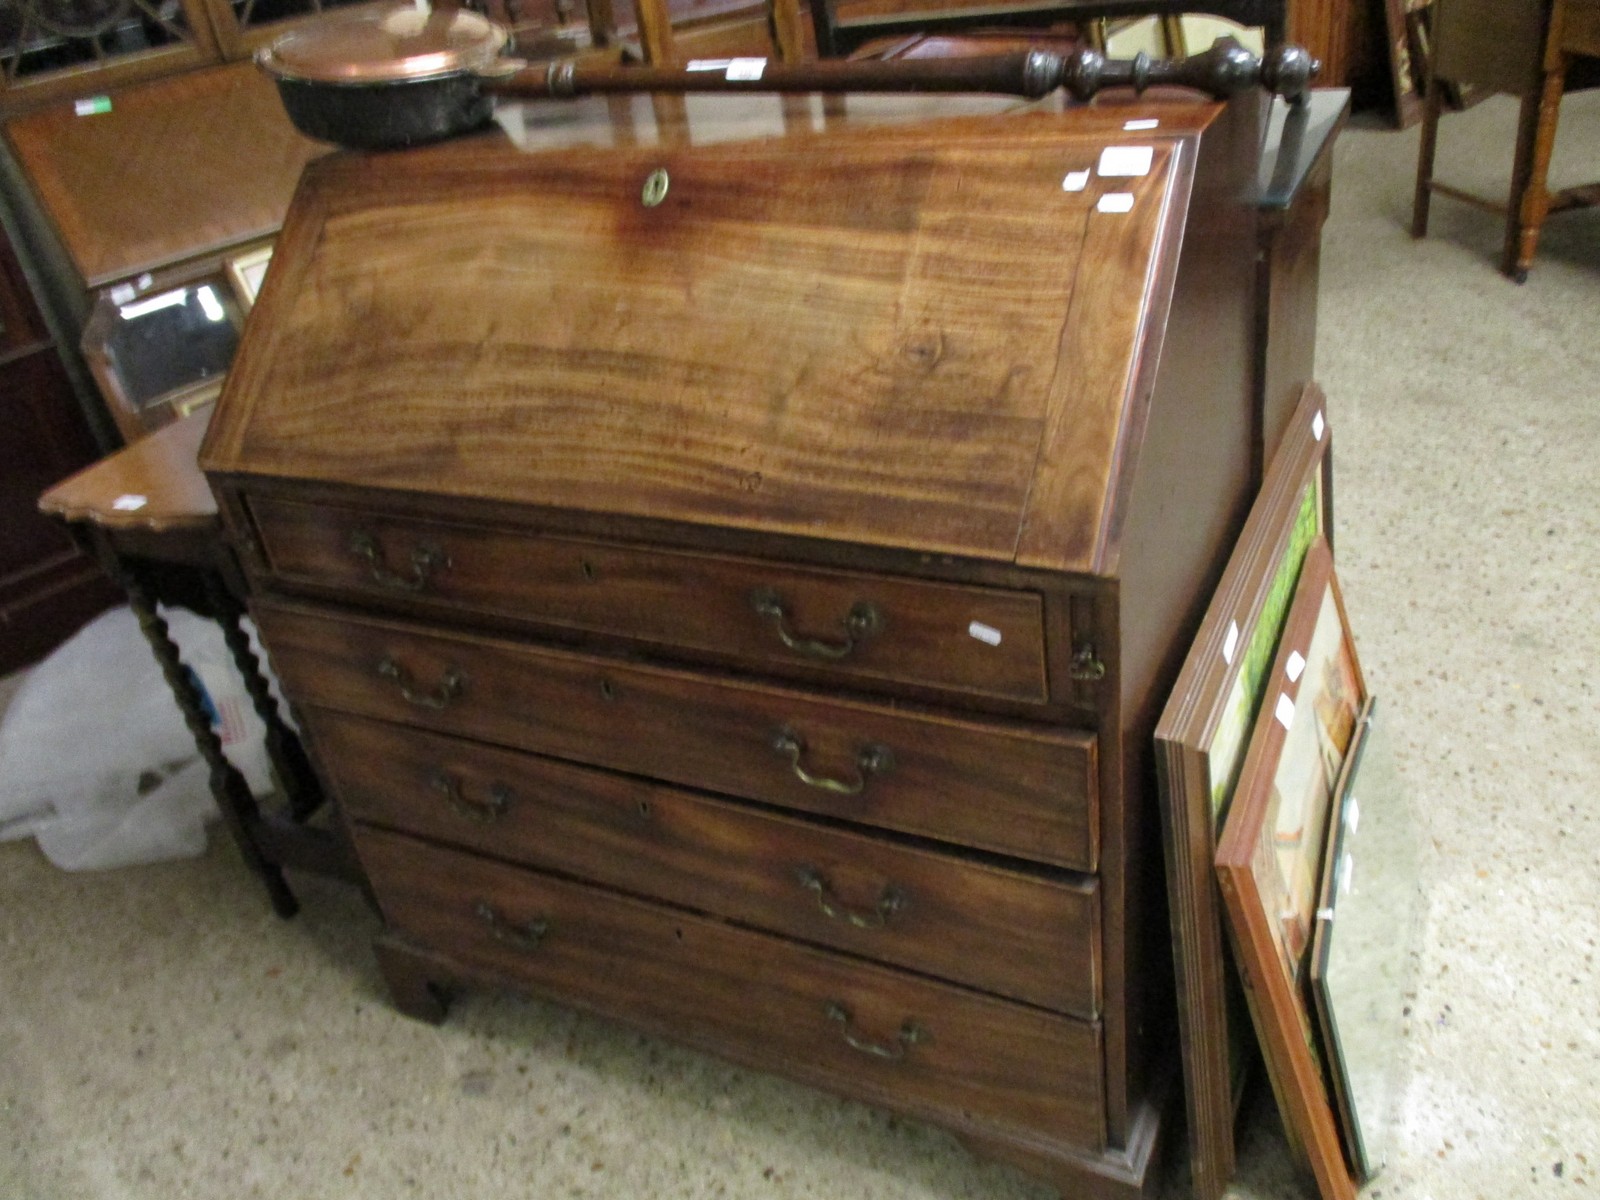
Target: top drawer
978, 640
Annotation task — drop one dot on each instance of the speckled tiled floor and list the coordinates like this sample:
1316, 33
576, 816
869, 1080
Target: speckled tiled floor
163, 1036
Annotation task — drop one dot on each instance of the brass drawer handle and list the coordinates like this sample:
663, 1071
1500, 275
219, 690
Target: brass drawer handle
425, 561
523, 937
861, 622
890, 902
1086, 666
911, 1034
450, 686
872, 760
482, 811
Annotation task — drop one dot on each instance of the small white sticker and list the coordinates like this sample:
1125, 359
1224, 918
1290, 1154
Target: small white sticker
1324, 914
746, 68
1116, 202
144, 281
1075, 181
92, 106
1295, 665
984, 633
1318, 425
1285, 711
130, 503
123, 293
1352, 816
1230, 643
708, 64
1142, 123
1126, 162
1347, 870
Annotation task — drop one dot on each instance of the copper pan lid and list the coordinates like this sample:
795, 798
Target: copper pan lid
399, 44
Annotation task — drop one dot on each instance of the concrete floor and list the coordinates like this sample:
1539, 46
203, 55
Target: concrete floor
163, 1036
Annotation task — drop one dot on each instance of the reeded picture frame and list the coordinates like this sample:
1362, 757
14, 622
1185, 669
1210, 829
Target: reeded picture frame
1201, 741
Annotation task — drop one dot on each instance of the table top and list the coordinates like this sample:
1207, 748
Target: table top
152, 486
171, 170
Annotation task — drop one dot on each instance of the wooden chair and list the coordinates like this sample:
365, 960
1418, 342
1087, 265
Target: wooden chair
1536, 50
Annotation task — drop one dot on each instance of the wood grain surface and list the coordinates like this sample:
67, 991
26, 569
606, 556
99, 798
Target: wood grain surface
174, 169
1027, 936
1007, 788
778, 345
1001, 1067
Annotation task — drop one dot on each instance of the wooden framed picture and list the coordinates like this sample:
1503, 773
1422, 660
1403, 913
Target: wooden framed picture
1201, 741
246, 272
1269, 860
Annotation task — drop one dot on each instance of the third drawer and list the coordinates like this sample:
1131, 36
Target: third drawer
1016, 934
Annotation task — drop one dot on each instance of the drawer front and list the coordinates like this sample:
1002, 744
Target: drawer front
1004, 788
869, 628
1006, 932
909, 1043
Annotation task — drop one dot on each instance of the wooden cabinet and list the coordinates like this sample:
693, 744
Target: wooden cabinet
47, 588
745, 614
149, 200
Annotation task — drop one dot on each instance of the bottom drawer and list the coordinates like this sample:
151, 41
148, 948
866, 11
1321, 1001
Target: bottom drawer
929, 1049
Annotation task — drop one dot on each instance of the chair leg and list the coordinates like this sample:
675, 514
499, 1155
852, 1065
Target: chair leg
1421, 204
1530, 209
783, 21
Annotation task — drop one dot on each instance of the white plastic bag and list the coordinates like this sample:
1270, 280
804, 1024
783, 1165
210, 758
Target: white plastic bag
95, 759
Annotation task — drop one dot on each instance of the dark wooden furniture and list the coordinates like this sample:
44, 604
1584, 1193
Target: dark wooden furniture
147, 517
1294, 188
160, 191
837, 35
1536, 51
743, 611
47, 588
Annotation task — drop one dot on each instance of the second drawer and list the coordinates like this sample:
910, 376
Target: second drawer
1014, 789
1018, 935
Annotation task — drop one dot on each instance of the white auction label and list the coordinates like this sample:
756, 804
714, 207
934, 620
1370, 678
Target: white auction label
1285, 711
1142, 123
1115, 202
746, 68
1075, 181
129, 503
1318, 425
1230, 643
1295, 665
1126, 162
984, 633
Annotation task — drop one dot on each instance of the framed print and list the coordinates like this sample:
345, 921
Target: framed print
1364, 951
1269, 859
246, 271
1200, 748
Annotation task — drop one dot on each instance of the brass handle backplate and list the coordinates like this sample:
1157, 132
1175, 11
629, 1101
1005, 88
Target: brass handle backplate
523, 937
890, 901
451, 685
872, 760
911, 1034
482, 811
426, 561
862, 621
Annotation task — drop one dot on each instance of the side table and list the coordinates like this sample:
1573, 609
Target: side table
146, 515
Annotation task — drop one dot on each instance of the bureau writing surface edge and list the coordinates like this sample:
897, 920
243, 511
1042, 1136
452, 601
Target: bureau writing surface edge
819, 542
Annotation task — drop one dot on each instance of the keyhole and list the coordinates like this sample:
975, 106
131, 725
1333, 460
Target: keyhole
655, 188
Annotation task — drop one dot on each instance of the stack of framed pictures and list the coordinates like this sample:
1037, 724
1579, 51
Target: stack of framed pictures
1259, 750
1201, 742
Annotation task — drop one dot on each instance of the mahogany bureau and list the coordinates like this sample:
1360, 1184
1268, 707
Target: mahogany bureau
728, 568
